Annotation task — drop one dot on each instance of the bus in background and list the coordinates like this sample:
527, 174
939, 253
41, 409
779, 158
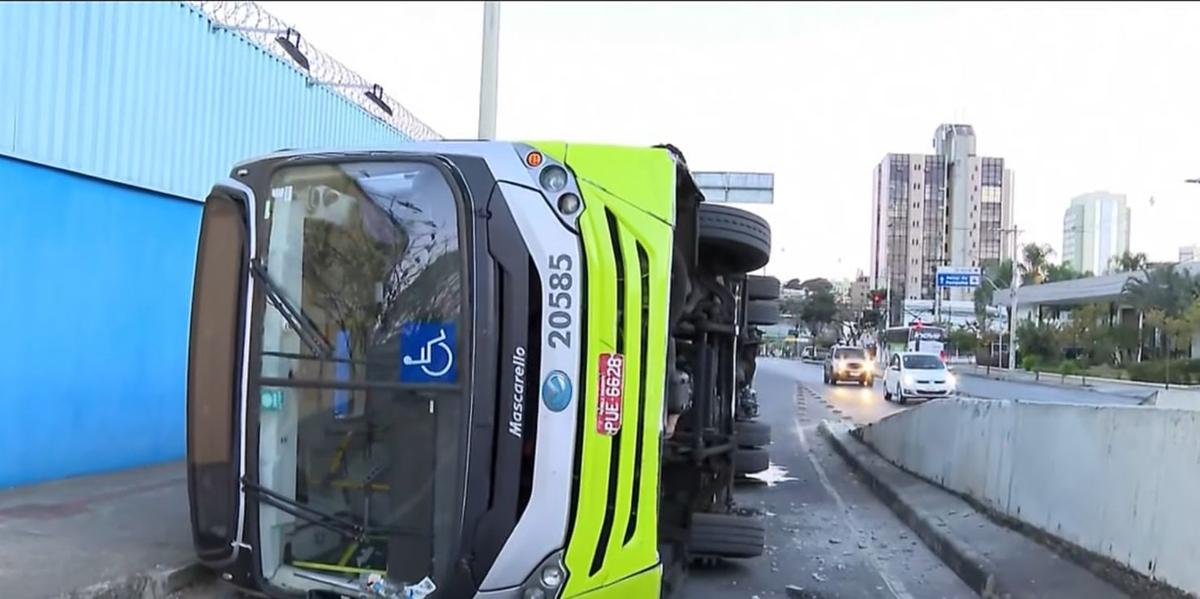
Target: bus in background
914, 338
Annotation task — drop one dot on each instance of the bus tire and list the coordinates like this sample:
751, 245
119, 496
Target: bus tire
726, 535
750, 460
752, 434
733, 240
762, 288
762, 313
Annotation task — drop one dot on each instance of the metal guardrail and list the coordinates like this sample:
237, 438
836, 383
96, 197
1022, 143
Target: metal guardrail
262, 29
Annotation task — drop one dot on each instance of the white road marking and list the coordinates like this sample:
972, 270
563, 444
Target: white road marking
895, 586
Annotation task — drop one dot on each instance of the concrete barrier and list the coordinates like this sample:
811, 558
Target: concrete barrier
1077, 380
1179, 399
1121, 482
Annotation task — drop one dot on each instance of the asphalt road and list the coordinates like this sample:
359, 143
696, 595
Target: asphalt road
826, 533
865, 405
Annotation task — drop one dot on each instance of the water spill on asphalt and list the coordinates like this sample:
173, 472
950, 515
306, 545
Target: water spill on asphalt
773, 475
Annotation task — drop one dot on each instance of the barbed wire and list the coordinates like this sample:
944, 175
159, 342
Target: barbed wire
261, 28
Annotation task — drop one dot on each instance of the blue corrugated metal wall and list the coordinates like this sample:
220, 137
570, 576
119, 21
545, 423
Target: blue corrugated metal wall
145, 93
114, 119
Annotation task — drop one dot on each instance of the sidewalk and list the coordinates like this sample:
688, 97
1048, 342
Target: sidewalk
991, 558
1138, 389
123, 535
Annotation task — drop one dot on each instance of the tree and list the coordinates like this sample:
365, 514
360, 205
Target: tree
1128, 262
964, 339
793, 307
817, 284
1165, 287
819, 309
1160, 295
1035, 263
1063, 272
1039, 339
792, 284
1087, 328
996, 276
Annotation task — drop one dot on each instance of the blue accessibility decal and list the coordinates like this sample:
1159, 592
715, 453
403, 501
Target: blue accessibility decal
427, 352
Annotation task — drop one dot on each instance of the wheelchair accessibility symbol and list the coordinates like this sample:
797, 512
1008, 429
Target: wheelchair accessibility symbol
427, 353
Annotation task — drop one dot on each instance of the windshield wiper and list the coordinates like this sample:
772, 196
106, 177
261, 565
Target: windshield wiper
292, 507
300, 322
337, 524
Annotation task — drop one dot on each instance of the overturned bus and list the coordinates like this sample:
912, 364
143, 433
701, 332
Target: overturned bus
473, 369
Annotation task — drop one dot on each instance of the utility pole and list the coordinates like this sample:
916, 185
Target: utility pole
1012, 301
489, 70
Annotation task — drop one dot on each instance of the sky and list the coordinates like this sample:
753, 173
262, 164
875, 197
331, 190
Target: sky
1076, 97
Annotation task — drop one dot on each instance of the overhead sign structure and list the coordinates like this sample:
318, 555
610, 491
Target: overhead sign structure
727, 187
958, 276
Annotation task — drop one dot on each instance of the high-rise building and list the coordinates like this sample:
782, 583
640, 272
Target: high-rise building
929, 210
860, 288
1189, 253
1095, 230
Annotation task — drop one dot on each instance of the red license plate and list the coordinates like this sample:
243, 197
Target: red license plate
612, 391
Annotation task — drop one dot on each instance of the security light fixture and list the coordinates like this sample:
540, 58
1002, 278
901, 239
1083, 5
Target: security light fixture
290, 42
375, 94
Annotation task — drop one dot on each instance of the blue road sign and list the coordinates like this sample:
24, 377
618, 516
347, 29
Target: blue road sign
957, 279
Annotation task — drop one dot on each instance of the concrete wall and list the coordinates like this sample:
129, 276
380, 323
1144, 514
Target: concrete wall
1123, 482
96, 283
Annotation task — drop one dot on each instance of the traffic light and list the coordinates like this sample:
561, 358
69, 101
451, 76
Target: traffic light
876, 299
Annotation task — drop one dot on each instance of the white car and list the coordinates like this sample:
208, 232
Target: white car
916, 374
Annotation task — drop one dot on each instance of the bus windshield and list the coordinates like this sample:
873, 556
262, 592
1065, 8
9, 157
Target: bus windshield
360, 346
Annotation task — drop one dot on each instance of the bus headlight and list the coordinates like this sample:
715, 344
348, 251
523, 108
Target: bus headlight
553, 178
546, 582
568, 203
552, 576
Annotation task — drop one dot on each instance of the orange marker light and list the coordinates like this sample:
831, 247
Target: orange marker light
534, 159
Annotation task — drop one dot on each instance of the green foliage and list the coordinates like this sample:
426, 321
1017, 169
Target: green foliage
963, 339
1029, 363
1128, 262
792, 306
1039, 339
1165, 288
1182, 371
1069, 367
1063, 272
1035, 263
819, 305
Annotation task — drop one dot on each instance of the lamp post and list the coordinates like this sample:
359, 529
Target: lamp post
489, 70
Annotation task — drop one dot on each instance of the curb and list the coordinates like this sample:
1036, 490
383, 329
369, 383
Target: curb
971, 567
158, 583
